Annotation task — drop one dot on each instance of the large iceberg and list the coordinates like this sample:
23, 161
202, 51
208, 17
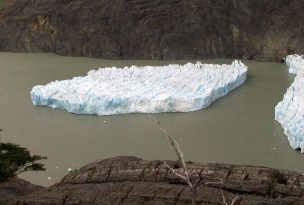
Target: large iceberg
290, 112
171, 88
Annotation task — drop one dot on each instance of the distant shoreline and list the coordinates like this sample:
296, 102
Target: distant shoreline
154, 30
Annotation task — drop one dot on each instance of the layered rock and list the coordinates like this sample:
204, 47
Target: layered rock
154, 29
130, 180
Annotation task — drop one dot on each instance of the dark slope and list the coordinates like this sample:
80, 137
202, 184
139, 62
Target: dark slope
14, 188
154, 29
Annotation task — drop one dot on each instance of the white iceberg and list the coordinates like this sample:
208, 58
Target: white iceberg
172, 88
290, 112
295, 63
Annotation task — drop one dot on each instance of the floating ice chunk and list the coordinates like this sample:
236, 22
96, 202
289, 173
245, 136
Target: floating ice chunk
171, 88
290, 112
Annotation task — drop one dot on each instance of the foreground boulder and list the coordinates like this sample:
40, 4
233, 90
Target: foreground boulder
15, 187
130, 180
154, 29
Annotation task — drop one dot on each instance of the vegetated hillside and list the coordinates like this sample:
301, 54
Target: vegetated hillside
154, 29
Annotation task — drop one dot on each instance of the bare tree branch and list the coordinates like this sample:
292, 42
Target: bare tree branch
185, 175
174, 172
233, 200
179, 154
224, 199
219, 182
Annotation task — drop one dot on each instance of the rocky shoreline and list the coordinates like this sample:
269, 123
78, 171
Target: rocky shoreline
130, 180
154, 29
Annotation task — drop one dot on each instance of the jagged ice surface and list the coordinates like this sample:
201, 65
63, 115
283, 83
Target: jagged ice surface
290, 112
295, 63
172, 88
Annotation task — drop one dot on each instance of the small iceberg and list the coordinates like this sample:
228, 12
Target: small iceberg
171, 88
290, 112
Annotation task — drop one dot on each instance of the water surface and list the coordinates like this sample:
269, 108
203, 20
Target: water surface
238, 128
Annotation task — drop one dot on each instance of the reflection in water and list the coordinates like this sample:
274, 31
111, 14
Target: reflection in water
238, 128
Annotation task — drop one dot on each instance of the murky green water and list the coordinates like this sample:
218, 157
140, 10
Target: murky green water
238, 128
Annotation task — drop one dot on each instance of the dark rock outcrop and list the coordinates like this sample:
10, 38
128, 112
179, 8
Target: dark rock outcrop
15, 187
129, 180
154, 29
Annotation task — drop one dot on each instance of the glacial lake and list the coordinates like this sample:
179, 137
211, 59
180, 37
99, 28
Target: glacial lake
238, 128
